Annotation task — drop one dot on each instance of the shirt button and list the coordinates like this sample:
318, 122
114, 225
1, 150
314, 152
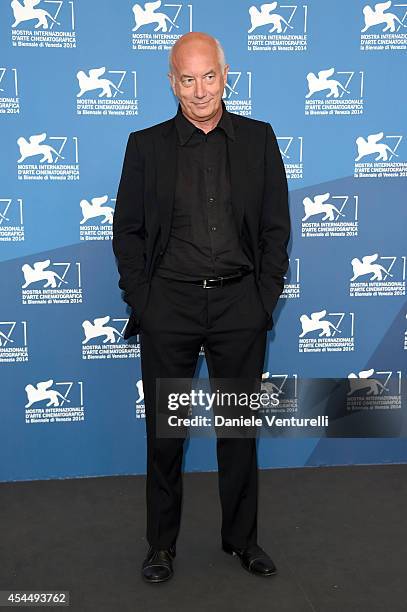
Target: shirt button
213, 228
211, 200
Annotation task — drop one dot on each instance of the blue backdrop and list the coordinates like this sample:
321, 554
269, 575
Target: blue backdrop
75, 78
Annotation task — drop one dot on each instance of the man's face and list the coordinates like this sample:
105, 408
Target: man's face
199, 80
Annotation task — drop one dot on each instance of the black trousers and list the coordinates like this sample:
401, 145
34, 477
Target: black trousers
230, 323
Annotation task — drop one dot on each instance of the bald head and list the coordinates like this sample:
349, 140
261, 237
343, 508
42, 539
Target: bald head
198, 75
194, 40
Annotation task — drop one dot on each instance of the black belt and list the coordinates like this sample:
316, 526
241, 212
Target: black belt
219, 281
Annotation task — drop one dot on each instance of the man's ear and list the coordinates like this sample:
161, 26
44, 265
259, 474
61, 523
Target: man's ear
225, 73
171, 79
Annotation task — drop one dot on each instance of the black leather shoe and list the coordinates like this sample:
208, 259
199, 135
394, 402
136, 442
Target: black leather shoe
157, 566
253, 559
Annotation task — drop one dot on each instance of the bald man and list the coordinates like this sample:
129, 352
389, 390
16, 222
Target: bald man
200, 232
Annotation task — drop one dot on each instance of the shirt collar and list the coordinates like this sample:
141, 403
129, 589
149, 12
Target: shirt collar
185, 128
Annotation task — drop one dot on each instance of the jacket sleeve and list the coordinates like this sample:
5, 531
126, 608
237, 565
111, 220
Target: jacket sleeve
128, 226
274, 231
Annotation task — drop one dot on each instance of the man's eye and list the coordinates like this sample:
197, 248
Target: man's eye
187, 82
211, 76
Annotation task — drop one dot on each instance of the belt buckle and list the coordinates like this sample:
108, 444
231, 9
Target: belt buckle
206, 280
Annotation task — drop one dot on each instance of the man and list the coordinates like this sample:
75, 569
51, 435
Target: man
200, 233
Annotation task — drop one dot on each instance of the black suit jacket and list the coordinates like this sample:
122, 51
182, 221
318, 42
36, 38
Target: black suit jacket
142, 217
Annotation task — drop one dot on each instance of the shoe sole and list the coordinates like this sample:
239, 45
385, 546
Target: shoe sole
233, 554
156, 581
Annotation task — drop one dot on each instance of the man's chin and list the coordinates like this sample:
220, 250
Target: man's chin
204, 111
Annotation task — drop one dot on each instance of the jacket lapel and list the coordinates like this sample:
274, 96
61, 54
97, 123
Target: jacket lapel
166, 157
238, 172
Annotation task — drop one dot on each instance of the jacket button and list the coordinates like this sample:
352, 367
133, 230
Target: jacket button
161, 252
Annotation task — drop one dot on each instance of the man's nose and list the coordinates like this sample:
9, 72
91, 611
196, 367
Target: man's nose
200, 91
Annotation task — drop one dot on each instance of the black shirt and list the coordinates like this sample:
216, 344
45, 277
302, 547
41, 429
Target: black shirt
203, 240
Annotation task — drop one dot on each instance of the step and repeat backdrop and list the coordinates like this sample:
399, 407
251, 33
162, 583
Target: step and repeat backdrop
76, 77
